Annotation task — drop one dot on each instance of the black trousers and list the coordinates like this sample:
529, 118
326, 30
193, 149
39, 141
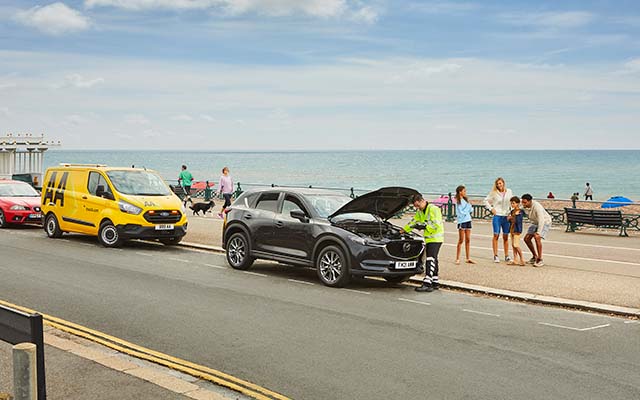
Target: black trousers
430, 260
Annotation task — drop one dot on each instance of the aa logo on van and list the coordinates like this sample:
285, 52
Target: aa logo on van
149, 204
54, 194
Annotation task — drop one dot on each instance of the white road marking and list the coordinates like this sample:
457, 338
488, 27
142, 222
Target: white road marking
179, 260
64, 240
559, 256
632, 322
357, 291
560, 242
253, 273
216, 266
303, 282
144, 254
574, 329
86, 244
480, 312
424, 303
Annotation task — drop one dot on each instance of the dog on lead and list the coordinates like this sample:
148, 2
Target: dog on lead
204, 207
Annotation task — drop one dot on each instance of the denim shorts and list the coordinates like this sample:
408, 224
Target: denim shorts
542, 232
500, 222
465, 225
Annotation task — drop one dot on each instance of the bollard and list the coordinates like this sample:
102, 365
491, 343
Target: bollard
25, 382
449, 209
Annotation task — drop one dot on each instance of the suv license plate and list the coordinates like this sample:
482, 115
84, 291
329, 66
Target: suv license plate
405, 264
164, 227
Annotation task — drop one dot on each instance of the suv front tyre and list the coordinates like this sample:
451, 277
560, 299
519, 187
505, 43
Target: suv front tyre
239, 252
332, 266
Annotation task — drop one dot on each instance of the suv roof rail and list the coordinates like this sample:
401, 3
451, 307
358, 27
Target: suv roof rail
81, 165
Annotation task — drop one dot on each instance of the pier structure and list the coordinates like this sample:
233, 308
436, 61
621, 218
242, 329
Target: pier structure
22, 157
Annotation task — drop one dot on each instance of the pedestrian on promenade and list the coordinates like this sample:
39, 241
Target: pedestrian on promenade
185, 179
538, 230
497, 201
463, 212
515, 218
588, 192
226, 189
429, 218
551, 196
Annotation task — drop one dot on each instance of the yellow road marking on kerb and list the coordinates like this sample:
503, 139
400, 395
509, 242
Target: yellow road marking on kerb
200, 371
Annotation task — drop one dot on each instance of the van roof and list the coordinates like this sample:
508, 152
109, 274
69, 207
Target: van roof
101, 167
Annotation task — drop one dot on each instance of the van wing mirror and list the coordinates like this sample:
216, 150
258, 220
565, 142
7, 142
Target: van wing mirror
101, 193
299, 215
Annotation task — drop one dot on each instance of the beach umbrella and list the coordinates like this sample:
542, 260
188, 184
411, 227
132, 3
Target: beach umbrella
616, 201
443, 199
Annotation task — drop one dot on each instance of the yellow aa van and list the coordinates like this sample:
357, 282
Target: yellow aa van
114, 204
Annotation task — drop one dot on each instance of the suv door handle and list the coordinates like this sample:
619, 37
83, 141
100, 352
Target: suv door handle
279, 224
248, 216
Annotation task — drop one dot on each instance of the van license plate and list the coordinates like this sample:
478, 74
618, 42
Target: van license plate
405, 264
164, 227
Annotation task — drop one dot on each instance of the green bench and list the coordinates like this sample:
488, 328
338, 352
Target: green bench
599, 218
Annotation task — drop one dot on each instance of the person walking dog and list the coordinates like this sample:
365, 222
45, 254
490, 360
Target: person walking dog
429, 218
185, 179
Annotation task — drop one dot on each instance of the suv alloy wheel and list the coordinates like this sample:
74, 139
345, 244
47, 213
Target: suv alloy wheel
332, 266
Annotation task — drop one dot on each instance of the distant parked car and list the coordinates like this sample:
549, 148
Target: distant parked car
19, 203
339, 236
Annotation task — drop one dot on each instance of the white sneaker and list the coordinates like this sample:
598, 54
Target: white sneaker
538, 263
507, 258
532, 260
496, 259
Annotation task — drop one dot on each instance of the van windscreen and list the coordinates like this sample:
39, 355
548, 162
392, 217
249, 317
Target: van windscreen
138, 183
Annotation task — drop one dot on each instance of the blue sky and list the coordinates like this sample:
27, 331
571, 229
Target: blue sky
322, 74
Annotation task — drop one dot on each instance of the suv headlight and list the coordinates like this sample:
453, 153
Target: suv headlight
17, 207
129, 208
365, 242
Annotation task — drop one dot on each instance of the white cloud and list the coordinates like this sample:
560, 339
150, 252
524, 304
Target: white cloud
182, 118
136, 119
207, 117
550, 20
54, 19
78, 81
74, 120
443, 7
4, 111
273, 8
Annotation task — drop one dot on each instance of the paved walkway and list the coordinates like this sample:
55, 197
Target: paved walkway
591, 265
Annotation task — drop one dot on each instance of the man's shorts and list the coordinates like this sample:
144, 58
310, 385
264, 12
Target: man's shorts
515, 240
533, 229
500, 222
465, 226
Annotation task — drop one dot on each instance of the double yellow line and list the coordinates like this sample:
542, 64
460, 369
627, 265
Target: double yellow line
209, 374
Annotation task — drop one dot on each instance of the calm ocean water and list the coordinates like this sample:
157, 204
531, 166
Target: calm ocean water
610, 173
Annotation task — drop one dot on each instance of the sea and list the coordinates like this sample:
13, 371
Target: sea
562, 172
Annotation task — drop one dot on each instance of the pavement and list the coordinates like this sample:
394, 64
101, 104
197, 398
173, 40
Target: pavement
590, 270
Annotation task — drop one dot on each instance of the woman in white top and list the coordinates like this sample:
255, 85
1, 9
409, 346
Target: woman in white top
498, 202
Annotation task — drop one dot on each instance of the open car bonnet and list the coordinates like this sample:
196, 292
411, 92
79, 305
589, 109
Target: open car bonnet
384, 202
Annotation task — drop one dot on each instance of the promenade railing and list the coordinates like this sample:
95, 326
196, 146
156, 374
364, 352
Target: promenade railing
446, 201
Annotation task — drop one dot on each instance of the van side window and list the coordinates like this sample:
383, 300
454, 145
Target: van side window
268, 202
291, 204
95, 180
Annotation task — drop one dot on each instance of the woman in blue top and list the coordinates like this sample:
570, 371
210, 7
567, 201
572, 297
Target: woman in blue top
463, 211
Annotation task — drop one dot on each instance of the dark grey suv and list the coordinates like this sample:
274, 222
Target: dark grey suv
339, 236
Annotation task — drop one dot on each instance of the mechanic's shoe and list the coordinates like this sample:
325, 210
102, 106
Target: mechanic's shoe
539, 263
496, 259
435, 285
426, 287
532, 260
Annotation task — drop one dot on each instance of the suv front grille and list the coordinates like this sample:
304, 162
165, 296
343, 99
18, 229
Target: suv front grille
163, 216
404, 248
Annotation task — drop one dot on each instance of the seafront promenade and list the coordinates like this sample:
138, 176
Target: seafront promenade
592, 265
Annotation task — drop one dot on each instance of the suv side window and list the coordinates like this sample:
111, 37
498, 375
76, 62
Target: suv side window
95, 180
268, 202
291, 204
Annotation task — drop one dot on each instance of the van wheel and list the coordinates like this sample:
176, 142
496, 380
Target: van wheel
332, 267
239, 252
108, 235
170, 241
3, 220
51, 226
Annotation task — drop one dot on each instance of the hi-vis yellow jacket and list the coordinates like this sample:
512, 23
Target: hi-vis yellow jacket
431, 218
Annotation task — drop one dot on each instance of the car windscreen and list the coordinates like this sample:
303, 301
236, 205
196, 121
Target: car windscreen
138, 183
17, 190
325, 205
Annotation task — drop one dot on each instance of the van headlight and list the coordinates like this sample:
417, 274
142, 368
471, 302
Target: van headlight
129, 208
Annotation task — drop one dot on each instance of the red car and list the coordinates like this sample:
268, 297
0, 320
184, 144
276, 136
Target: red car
19, 203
